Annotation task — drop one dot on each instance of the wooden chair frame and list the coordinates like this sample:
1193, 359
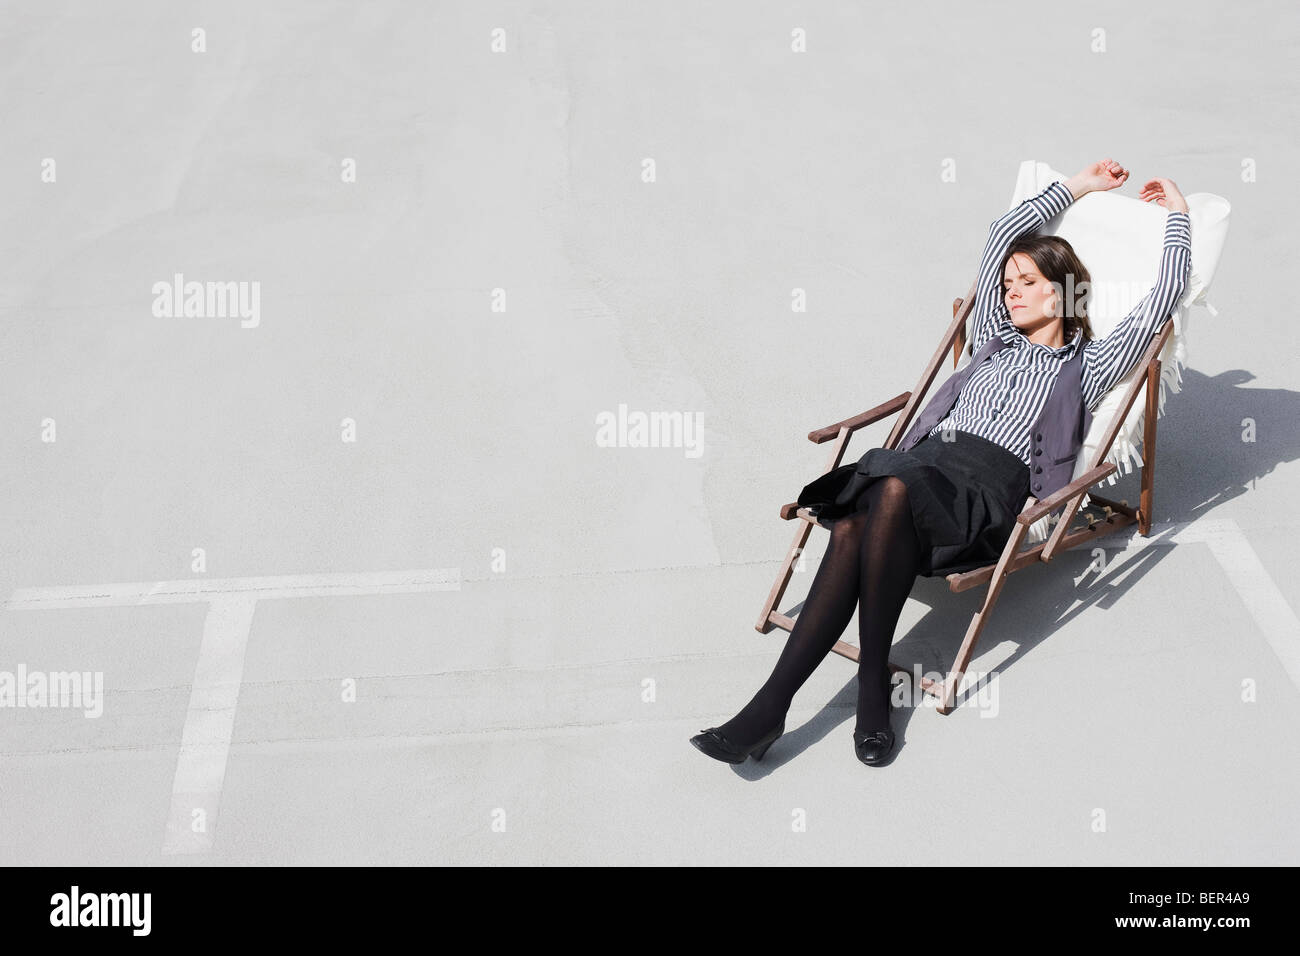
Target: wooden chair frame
1063, 537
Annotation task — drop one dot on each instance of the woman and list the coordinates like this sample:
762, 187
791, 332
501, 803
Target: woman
947, 499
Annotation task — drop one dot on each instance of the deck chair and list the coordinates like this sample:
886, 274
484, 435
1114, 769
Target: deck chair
1119, 239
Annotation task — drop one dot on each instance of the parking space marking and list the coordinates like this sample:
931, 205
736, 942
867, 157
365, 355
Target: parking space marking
218, 672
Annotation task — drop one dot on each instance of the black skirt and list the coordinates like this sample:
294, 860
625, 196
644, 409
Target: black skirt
965, 496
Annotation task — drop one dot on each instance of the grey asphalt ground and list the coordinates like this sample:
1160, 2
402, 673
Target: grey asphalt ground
475, 634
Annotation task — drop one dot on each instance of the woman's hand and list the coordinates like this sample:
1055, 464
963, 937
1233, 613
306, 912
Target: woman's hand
1165, 192
1098, 177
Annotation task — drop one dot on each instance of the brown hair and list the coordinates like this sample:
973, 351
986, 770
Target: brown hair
1057, 261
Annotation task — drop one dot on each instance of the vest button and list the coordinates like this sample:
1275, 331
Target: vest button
1038, 470
1038, 437
1038, 486
1038, 451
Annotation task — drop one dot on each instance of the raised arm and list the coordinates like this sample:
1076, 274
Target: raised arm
990, 309
1109, 359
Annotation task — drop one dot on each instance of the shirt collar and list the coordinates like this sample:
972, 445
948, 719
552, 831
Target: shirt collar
1066, 349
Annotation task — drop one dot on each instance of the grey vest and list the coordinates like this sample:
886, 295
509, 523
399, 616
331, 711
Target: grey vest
1057, 435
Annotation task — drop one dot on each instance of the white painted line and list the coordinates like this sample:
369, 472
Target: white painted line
201, 589
218, 673
1260, 594
209, 726
1262, 597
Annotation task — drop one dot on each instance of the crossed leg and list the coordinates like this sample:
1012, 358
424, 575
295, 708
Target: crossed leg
870, 564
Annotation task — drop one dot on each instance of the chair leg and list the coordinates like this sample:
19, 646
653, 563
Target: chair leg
1146, 498
947, 693
765, 624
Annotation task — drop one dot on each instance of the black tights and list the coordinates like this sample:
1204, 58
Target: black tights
871, 563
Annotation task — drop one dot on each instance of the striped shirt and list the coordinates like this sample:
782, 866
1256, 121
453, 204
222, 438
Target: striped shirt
1005, 395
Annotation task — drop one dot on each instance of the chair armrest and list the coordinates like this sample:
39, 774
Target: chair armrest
1052, 501
860, 421
959, 343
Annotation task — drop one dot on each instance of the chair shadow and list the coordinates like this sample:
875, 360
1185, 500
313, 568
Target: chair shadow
1208, 409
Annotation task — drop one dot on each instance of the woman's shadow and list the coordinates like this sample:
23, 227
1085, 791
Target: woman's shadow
1206, 454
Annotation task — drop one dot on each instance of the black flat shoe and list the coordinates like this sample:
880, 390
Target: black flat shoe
872, 748
714, 743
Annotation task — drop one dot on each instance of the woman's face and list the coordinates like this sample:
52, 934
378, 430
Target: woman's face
1029, 297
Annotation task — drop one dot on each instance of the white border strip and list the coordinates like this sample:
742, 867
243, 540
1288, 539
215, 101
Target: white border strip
1264, 601
202, 589
209, 727
219, 672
